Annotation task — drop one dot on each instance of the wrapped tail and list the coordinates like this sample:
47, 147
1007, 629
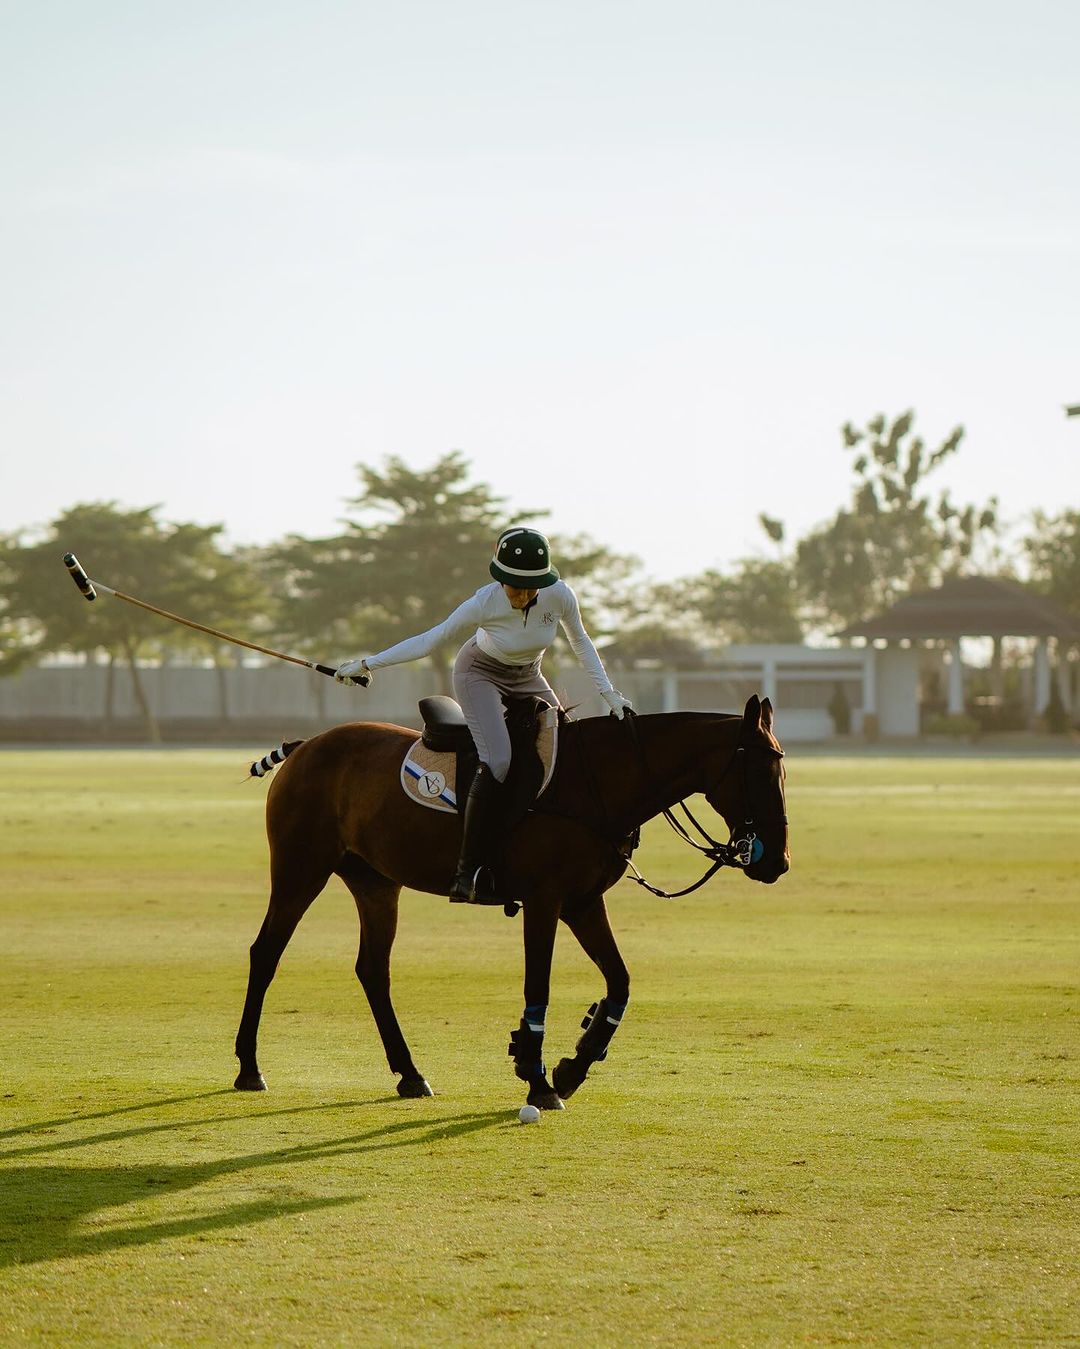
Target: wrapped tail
269, 762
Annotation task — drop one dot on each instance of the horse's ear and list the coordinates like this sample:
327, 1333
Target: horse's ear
752, 714
767, 715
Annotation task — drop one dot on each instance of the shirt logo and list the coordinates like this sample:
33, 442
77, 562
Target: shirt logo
548, 619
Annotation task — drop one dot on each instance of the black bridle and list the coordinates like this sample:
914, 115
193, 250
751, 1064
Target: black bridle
738, 851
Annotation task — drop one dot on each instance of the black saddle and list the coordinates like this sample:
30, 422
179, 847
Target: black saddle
445, 727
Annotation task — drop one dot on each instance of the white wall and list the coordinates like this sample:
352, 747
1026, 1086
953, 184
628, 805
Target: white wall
79, 693
898, 691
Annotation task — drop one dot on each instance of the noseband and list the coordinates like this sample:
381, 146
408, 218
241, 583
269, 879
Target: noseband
741, 850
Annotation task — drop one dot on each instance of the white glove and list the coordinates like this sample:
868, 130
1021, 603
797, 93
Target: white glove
617, 702
349, 671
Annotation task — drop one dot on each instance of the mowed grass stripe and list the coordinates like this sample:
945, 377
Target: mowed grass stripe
841, 1108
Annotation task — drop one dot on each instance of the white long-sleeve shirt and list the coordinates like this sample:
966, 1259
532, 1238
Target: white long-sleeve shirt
513, 636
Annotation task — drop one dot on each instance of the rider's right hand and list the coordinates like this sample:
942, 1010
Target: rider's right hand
353, 673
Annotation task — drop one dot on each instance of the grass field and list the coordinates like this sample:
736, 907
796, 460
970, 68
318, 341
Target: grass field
841, 1109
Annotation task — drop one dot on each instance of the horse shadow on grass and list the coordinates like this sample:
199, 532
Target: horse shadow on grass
74, 1117
51, 1211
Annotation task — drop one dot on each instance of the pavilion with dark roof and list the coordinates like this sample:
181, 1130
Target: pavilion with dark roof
974, 606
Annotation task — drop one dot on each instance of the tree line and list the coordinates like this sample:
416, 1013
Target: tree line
407, 552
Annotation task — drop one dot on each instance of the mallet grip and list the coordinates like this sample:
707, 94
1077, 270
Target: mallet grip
79, 576
362, 679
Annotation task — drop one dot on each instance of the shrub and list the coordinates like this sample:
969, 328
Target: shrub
957, 724
1055, 719
840, 710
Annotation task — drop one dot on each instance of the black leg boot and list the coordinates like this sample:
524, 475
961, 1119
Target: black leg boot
480, 809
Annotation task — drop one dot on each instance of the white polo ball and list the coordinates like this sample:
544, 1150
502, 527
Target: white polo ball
528, 1114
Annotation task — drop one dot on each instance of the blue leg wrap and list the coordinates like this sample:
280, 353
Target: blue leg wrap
600, 1024
527, 1044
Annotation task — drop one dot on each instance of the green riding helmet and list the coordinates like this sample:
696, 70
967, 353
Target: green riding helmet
523, 559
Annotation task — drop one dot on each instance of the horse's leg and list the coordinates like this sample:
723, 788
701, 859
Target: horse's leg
290, 898
527, 1042
591, 927
377, 906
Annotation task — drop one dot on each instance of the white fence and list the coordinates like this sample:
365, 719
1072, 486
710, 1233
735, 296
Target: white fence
95, 695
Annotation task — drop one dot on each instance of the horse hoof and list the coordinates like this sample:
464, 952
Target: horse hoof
546, 1100
250, 1081
567, 1077
413, 1088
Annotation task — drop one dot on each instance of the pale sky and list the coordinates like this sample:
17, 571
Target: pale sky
637, 261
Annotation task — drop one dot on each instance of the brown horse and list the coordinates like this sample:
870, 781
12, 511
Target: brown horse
336, 807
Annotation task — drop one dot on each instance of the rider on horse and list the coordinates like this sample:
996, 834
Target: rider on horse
511, 631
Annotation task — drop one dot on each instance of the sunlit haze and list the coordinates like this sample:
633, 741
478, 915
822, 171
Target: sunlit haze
638, 262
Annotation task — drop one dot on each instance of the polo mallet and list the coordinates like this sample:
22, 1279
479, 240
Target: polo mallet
90, 588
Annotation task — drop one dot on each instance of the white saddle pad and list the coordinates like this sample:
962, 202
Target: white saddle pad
429, 776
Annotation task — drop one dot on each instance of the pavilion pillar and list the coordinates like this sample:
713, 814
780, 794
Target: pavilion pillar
1061, 672
997, 673
1041, 678
955, 707
768, 679
869, 690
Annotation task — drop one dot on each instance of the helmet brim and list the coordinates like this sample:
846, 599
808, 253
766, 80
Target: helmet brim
519, 582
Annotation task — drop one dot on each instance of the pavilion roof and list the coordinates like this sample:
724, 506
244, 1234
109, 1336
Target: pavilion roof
971, 606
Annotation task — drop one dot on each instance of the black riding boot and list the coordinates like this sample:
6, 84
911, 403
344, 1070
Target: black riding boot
480, 808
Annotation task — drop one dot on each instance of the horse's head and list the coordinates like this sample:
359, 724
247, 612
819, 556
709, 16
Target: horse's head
750, 793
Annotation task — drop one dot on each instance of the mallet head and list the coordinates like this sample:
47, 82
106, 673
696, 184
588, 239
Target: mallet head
79, 576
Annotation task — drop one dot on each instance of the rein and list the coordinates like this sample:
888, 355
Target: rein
736, 852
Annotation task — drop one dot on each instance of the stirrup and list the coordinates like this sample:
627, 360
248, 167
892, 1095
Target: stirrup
481, 889
463, 887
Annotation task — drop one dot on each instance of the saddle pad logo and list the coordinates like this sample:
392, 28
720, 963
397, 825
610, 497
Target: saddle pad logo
429, 778
431, 784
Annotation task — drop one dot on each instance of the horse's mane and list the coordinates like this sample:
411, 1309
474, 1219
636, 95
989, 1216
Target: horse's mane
601, 728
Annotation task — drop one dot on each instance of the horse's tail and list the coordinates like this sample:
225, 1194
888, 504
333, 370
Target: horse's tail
269, 762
